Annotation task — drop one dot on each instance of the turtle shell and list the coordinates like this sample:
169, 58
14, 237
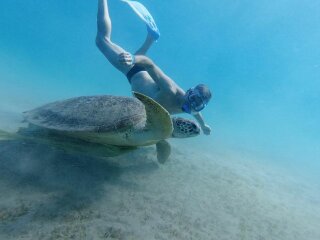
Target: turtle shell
104, 113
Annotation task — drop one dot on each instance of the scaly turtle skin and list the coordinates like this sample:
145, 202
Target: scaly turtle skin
113, 120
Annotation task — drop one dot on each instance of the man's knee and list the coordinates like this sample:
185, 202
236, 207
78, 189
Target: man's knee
102, 41
99, 42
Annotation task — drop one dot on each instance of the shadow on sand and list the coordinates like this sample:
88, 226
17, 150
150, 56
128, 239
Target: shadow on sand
63, 182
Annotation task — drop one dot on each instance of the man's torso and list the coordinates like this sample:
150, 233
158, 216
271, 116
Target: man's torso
168, 98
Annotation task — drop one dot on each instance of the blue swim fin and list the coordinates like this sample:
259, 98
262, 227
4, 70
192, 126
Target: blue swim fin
145, 16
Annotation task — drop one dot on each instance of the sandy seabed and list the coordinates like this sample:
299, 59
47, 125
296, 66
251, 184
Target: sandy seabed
202, 192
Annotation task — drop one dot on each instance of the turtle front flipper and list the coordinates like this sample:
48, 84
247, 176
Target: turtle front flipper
163, 151
158, 125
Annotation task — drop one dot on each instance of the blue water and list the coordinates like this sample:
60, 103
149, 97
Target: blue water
260, 58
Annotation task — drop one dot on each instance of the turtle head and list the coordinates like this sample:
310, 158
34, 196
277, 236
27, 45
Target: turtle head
183, 128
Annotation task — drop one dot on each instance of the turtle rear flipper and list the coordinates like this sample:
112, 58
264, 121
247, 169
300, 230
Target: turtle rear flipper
163, 151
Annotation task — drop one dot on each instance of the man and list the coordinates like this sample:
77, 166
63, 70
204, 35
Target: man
146, 77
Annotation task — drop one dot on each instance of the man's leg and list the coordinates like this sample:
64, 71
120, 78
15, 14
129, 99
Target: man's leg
145, 46
103, 40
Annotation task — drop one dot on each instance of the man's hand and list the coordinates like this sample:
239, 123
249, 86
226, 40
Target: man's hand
206, 129
126, 59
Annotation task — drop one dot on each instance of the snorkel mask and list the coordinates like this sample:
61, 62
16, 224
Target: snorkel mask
195, 101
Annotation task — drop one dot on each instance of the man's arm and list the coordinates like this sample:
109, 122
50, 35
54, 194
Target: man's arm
161, 79
205, 128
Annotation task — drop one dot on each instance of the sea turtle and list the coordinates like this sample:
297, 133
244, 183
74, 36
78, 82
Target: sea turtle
113, 120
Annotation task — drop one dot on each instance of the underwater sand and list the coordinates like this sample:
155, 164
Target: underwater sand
207, 192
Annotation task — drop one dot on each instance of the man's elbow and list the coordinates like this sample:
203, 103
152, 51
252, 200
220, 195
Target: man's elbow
144, 62
149, 66
149, 63
101, 41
